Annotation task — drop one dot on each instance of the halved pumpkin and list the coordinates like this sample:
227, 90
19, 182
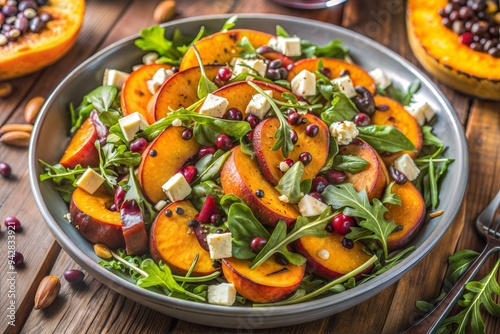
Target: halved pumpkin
34, 51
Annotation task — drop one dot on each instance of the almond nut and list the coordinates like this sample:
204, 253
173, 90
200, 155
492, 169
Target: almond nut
102, 251
16, 138
33, 108
5, 89
164, 11
47, 292
16, 127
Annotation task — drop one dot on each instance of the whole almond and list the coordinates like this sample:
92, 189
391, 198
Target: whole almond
16, 127
164, 11
5, 89
47, 292
33, 108
16, 138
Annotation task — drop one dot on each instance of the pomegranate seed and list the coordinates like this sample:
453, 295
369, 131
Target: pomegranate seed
293, 136
187, 134
113, 207
397, 176
189, 173
138, 145
329, 228
382, 107
465, 38
335, 176
289, 162
347, 243
253, 120
344, 72
249, 137
289, 67
12, 223
275, 64
74, 276
223, 142
216, 219
326, 72
204, 150
305, 158
5, 169
18, 259
362, 119
234, 114
257, 244
319, 184
342, 224
312, 130
316, 195
264, 49
294, 118
224, 73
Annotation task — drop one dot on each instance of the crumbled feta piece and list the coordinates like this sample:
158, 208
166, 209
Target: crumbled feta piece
304, 84
284, 198
344, 132
221, 294
214, 106
421, 111
380, 78
160, 205
407, 166
177, 122
344, 85
273, 43
259, 105
219, 245
90, 181
114, 78
158, 79
323, 254
289, 46
246, 65
131, 124
284, 167
177, 188
150, 58
310, 206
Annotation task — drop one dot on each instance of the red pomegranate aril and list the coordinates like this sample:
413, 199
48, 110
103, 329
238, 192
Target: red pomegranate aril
293, 136
289, 162
465, 38
316, 195
329, 228
342, 224
326, 72
335, 176
17, 259
189, 173
5, 169
312, 130
223, 142
234, 114
74, 276
138, 145
362, 119
224, 73
319, 184
205, 150
344, 72
216, 219
187, 134
257, 244
248, 137
252, 120
12, 223
294, 118
305, 158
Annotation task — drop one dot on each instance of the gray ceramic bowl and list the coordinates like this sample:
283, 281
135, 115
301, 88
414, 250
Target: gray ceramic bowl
50, 138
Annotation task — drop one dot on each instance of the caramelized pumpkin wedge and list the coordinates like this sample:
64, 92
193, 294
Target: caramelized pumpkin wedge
81, 149
34, 51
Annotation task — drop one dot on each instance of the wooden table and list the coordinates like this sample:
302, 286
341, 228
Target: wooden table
96, 308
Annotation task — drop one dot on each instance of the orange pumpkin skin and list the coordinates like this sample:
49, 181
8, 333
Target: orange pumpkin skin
34, 51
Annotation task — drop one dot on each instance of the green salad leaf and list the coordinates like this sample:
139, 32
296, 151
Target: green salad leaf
349, 163
396, 93
290, 184
385, 138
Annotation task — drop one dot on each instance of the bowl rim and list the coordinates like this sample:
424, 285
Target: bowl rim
364, 291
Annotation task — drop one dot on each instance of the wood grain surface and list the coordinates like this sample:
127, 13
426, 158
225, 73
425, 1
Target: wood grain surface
94, 308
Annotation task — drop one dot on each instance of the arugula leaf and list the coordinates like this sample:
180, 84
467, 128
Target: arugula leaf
390, 197
350, 163
280, 31
230, 23
205, 86
110, 157
385, 138
134, 192
160, 275
389, 263
60, 174
458, 264
247, 49
153, 39
429, 138
405, 98
357, 204
289, 184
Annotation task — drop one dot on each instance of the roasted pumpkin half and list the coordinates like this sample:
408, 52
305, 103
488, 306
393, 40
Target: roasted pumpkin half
34, 51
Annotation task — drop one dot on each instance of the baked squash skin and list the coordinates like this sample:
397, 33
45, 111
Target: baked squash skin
34, 51
438, 49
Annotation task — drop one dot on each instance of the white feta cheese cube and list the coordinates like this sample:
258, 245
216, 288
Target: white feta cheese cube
259, 105
131, 124
407, 166
177, 188
344, 132
162, 75
160, 205
289, 46
344, 85
114, 78
214, 106
251, 66
310, 206
220, 245
152, 86
273, 43
150, 58
90, 181
221, 294
421, 111
380, 78
304, 84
